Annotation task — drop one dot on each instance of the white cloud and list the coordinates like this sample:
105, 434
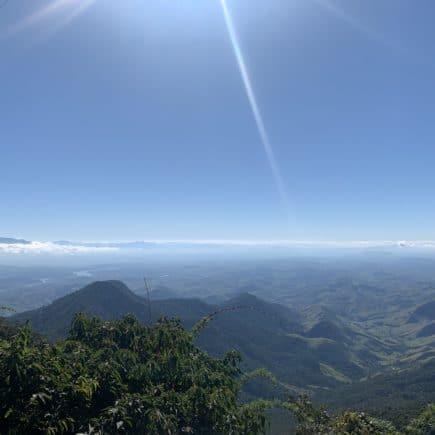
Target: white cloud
38, 247
50, 248
300, 243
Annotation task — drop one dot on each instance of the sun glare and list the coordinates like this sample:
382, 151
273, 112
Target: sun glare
254, 107
64, 11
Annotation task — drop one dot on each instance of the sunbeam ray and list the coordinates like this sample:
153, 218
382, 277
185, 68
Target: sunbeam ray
353, 22
46, 12
254, 106
80, 9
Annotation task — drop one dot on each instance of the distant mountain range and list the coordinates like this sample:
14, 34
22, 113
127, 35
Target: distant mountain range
10, 241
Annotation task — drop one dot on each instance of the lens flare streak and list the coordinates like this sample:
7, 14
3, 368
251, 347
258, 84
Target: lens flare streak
254, 105
78, 6
356, 24
74, 13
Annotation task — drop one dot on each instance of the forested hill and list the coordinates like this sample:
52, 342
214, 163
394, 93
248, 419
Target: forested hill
267, 335
311, 351
397, 396
123, 377
112, 299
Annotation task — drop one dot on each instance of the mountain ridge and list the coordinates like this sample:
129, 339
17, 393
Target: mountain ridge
267, 334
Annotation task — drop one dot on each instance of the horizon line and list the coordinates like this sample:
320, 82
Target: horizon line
228, 241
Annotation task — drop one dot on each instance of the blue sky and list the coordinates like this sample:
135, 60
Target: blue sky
132, 122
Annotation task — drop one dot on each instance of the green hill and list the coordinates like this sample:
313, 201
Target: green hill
119, 376
425, 311
397, 395
427, 330
267, 334
105, 299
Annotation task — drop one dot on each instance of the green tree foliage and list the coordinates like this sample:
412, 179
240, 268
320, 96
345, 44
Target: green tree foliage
316, 421
424, 424
6, 330
121, 377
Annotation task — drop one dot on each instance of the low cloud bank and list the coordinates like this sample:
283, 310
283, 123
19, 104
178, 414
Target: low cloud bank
51, 248
8, 246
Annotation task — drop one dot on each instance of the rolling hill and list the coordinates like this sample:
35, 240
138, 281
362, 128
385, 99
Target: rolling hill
427, 330
267, 334
423, 312
398, 395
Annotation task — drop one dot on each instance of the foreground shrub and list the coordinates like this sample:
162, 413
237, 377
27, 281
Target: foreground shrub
314, 420
424, 424
121, 377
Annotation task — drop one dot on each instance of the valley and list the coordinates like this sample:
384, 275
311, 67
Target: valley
319, 325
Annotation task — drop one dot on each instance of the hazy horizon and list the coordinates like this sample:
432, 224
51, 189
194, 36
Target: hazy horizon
27, 252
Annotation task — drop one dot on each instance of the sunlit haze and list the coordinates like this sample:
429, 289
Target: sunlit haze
219, 120
217, 217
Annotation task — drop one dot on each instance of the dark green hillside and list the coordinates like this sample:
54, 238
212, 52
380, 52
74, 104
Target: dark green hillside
317, 313
326, 329
120, 377
108, 300
425, 311
163, 292
272, 315
267, 334
397, 396
317, 350
105, 299
362, 349
427, 330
